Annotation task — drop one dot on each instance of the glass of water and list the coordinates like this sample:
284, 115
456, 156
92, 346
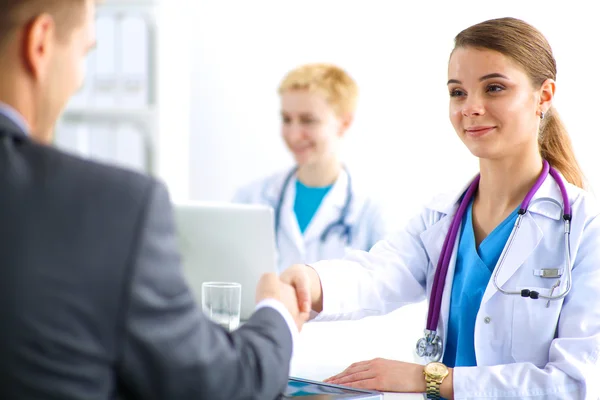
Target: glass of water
221, 302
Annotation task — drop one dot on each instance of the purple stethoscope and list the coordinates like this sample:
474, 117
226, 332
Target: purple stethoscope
430, 345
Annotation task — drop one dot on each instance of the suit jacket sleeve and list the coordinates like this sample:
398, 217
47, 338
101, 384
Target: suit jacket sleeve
171, 350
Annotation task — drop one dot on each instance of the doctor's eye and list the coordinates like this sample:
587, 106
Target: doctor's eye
308, 121
457, 93
286, 120
495, 88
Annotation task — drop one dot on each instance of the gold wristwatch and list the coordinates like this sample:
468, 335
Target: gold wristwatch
435, 373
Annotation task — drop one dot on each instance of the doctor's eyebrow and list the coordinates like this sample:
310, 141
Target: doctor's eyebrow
304, 115
483, 78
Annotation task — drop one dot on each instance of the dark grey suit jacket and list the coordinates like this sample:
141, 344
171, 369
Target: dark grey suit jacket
93, 304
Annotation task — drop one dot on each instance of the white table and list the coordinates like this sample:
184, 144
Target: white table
327, 348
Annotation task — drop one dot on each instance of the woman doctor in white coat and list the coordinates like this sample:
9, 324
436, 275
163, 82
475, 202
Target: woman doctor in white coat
510, 263
320, 211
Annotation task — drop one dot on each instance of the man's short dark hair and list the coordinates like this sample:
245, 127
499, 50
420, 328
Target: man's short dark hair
15, 14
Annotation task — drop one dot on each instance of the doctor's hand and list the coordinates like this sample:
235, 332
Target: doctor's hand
270, 287
307, 284
388, 376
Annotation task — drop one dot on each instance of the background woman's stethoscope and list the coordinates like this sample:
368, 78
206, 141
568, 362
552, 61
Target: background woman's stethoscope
430, 345
346, 229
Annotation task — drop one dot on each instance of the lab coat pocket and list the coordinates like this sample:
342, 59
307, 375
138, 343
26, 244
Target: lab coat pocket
534, 327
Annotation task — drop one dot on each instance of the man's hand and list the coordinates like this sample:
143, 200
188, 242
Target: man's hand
289, 299
270, 287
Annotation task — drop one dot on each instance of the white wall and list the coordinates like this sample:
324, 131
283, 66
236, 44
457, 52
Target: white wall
174, 71
398, 52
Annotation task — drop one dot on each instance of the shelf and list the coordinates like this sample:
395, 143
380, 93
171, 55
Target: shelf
146, 115
143, 118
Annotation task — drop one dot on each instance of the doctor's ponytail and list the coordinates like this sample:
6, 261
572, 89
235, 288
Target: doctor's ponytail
556, 148
530, 49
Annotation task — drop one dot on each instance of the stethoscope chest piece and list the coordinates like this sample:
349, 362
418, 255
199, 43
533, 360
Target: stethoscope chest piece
430, 346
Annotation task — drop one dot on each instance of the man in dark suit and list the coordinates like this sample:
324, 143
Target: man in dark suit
93, 304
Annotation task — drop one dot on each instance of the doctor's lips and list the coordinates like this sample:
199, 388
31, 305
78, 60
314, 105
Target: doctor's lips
479, 130
300, 149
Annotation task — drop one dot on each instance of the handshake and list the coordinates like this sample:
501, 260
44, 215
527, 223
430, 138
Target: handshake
297, 288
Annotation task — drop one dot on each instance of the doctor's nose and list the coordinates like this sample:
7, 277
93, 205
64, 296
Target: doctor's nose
473, 109
292, 131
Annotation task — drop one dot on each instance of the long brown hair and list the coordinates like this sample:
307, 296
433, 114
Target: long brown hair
529, 48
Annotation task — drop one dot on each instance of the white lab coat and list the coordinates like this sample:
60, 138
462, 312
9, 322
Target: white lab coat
365, 216
523, 349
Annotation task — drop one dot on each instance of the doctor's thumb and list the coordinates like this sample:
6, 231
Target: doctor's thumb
297, 276
302, 285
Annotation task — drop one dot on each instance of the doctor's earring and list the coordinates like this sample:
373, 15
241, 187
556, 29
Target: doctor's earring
541, 115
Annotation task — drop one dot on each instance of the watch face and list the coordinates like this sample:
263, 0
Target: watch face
436, 369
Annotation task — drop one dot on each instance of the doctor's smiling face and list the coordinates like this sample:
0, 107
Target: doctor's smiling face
310, 127
317, 105
494, 107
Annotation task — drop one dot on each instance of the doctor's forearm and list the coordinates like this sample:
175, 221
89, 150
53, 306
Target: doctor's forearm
316, 291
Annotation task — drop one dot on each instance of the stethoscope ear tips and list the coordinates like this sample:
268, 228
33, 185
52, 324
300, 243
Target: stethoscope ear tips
530, 293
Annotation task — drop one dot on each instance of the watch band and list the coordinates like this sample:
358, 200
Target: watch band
433, 390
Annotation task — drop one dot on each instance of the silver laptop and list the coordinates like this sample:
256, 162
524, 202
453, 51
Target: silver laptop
226, 242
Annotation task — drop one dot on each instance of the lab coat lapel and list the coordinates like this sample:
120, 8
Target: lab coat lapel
288, 221
329, 211
270, 195
433, 241
433, 238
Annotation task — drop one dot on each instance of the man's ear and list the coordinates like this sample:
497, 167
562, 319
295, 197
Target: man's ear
38, 44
